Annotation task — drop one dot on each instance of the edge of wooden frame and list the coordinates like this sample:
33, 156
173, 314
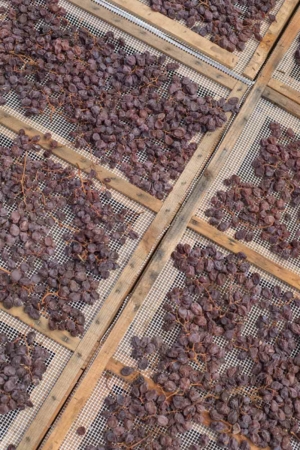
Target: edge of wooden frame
268, 41
156, 42
284, 89
174, 29
281, 100
122, 287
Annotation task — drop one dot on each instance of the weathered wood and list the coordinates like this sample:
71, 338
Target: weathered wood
269, 39
284, 89
160, 44
231, 244
109, 347
282, 101
69, 155
177, 31
61, 337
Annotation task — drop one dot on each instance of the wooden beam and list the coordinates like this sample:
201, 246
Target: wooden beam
163, 46
284, 89
270, 38
285, 103
281, 273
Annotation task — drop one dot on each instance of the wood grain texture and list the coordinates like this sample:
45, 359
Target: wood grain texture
160, 44
231, 244
280, 100
109, 347
69, 155
269, 39
284, 89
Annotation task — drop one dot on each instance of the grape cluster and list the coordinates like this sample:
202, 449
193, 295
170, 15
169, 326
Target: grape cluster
22, 365
259, 209
39, 192
224, 22
133, 111
189, 383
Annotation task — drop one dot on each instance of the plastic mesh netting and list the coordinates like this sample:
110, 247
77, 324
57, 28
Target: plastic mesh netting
148, 322
251, 46
139, 217
288, 72
239, 162
57, 123
14, 424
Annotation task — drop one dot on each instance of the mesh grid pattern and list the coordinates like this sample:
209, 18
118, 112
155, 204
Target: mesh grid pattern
148, 322
245, 56
288, 72
239, 162
141, 219
57, 124
14, 424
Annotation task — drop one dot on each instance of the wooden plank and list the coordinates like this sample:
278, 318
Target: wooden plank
160, 44
69, 155
231, 244
160, 258
269, 39
282, 101
61, 337
284, 89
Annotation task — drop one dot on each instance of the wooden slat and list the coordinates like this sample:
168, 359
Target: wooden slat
282, 101
109, 347
285, 90
160, 44
61, 337
176, 30
69, 155
231, 244
269, 39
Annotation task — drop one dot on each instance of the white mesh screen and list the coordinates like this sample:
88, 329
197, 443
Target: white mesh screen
239, 162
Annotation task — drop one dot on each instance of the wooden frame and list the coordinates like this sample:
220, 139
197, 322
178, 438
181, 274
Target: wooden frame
164, 213
105, 359
287, 39
193, 40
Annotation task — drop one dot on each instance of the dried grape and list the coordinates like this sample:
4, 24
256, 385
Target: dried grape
224, 22
189, 384
116, 101
22, 365
39, 191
